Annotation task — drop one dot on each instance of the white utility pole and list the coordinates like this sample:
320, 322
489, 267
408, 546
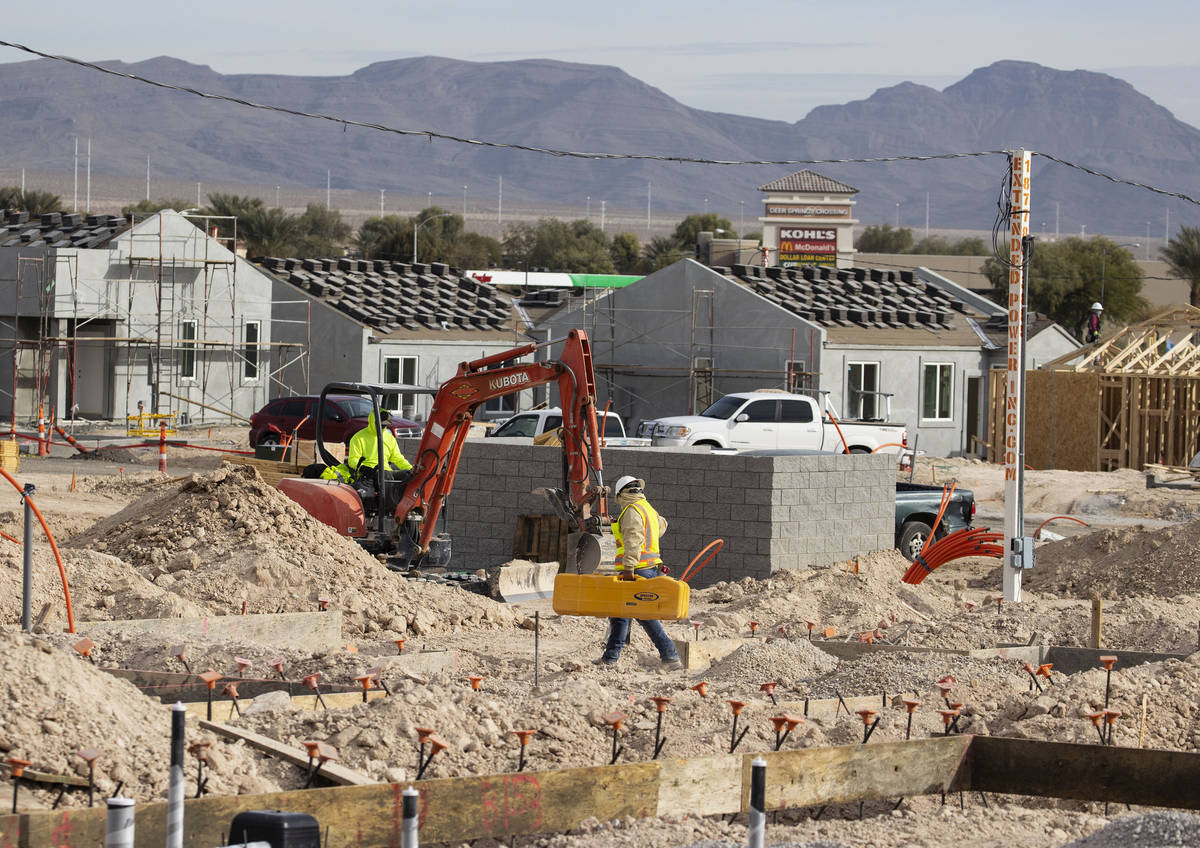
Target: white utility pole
589, 208
603, 203
926, 214
22, 181
147, 176
1167, 228
381, 191
75, 199
647, 207
276, 197
1018, 548
464, 203
328, 203
87, 205
197, 194
500, 202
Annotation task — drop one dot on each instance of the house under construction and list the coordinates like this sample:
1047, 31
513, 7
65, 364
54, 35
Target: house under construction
1123, 403
110, 319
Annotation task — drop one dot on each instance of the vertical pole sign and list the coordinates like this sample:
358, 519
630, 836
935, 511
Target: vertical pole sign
1018, 549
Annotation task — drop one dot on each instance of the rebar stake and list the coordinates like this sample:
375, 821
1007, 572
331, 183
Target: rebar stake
911, 705
734, 739
523, 738
18, 767
660, 704
1032, 677
1096, 718
615, 719
210, 679
769, 688
311, 682
1108, 662
868, 725
841, 704
89, 756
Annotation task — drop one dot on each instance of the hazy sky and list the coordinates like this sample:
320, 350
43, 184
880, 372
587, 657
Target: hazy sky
770, 59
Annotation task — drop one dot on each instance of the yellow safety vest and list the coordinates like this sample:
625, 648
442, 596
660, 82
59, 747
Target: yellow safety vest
649, 555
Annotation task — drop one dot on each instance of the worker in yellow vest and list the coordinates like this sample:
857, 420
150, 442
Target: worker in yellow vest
638, 531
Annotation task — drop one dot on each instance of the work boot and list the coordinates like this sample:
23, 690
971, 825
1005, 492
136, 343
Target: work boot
672, 664
602, 661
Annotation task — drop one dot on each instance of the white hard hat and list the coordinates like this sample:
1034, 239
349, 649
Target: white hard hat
1097, 307
629, 480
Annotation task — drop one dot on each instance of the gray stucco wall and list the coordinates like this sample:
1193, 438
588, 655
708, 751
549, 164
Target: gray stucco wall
643, 340
773, 512
336, 342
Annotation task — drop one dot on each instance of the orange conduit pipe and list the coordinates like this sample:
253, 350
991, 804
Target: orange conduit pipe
947, 494
692, 569
891, 445
62, 572
977, 541
1038, 531
838, 427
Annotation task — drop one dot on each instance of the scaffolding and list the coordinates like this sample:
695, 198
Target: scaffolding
192, 325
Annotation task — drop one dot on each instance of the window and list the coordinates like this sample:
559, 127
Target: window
612, 427
250, 338
724, 408
187, 350
937, 391
400, 369
862, 383
796, 412
294, 408
522, 425
761, 410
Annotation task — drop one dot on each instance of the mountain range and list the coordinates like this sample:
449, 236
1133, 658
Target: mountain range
1087, 118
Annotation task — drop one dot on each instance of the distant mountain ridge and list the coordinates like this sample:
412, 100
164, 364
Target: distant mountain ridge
1089, 118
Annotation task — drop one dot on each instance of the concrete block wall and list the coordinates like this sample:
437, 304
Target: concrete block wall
773, 512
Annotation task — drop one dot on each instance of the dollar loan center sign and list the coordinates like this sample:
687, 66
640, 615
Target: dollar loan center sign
807, 246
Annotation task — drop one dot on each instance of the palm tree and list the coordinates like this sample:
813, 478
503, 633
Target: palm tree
662, 251
32, 201
1182, 255
268, 232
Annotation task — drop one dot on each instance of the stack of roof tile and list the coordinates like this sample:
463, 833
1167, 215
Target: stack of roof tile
394, 296
57, 229
846, 297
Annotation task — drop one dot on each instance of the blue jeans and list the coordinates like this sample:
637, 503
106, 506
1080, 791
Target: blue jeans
618, 632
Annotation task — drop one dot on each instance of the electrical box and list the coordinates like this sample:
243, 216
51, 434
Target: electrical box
1022, 552
277, 828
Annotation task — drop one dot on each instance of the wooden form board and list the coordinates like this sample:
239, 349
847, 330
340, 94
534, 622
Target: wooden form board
540, 538
498, 806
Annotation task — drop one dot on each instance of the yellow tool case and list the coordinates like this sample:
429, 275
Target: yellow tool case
607, 596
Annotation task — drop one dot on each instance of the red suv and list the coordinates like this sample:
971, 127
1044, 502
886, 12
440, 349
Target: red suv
345, 415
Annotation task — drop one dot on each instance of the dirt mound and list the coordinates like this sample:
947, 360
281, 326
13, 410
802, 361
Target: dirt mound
58, 704
903, 673
226, 537
784, 661
1159, 829
1121, 563
102, 588
835, 596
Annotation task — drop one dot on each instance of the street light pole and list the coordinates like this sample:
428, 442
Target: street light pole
418, 224
1103, 267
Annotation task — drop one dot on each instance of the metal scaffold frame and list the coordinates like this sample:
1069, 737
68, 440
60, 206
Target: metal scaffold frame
152, 338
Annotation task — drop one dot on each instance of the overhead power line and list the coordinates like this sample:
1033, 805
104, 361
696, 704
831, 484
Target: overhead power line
574, 154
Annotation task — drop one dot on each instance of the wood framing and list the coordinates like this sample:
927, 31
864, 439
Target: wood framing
503, 805
1124, 403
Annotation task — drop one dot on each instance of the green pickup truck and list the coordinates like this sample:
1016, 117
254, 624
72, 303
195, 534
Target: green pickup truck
917, 507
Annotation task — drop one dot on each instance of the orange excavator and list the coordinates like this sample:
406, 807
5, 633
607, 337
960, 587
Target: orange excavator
406, 533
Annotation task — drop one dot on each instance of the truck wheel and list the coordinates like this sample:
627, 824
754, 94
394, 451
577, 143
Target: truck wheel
913, 537
269, 440
860, 449
706, 444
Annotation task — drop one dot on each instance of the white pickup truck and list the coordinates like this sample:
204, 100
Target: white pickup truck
773, 419
526, 426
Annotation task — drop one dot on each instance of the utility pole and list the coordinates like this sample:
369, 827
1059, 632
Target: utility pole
1018, 548
500, 202
602, 205
328, 203
87, 205
926, 214
1167, 228
381, 191
589, 208
741, 226
147, 176
75, 199
647, 207
464, 204
197, 194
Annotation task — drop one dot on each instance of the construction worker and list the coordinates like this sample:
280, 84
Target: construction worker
637, 530
1093, 324
363, 453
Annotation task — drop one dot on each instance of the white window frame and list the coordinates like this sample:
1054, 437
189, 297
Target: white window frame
251, 353
406, 370
938, 400
856, 401
187, 350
